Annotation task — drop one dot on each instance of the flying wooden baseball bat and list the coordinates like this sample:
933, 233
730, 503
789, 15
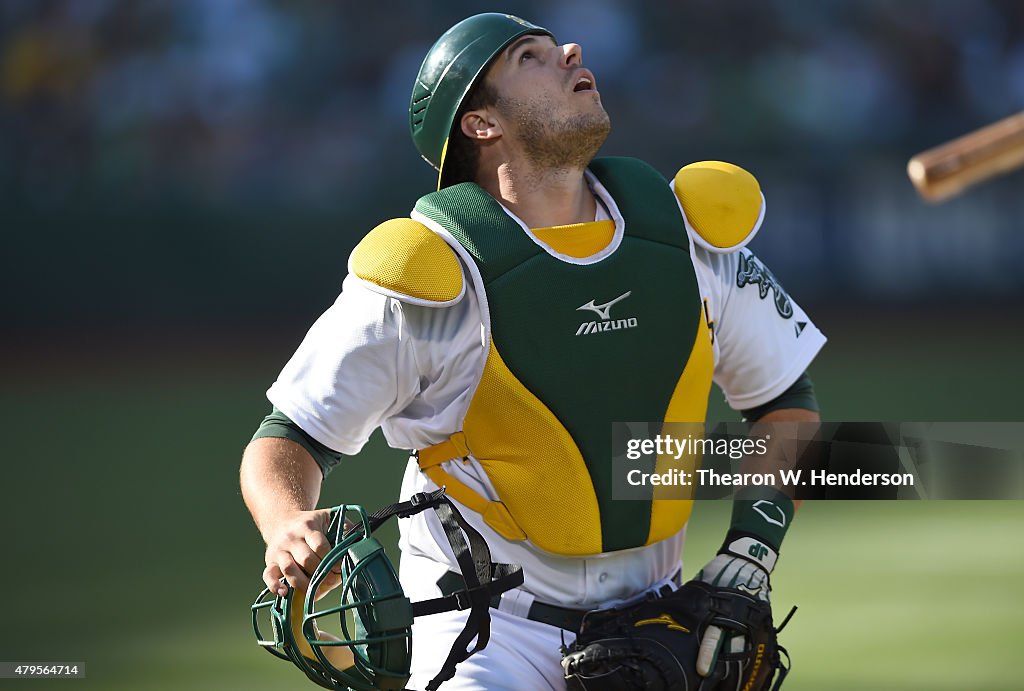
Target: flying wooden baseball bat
950, 168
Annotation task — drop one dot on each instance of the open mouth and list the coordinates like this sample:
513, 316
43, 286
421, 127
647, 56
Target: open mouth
585, 82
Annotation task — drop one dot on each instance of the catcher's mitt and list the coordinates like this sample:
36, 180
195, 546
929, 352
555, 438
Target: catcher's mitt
655, 644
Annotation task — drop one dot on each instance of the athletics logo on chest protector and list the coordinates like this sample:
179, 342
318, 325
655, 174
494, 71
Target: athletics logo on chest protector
604, 312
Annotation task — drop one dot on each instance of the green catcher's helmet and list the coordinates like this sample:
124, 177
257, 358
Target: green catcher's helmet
449, 71
369, 608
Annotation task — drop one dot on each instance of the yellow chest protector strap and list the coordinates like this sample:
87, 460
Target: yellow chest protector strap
495, 513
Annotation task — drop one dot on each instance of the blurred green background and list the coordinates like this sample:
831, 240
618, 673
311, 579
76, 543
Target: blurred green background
129, 548
181, 183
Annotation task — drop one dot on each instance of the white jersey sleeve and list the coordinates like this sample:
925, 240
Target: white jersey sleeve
374, 361
351, 373
763, 340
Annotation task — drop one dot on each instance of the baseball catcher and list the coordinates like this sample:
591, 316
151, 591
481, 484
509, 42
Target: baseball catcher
532, 299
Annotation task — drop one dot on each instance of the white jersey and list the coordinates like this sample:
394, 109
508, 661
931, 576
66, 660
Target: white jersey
375, 361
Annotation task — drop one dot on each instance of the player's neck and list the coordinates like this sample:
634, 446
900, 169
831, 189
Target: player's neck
542, 198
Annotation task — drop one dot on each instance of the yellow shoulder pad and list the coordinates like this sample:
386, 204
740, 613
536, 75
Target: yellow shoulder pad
404, 259
722, 204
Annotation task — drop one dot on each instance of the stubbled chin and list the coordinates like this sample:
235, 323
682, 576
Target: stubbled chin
576, 141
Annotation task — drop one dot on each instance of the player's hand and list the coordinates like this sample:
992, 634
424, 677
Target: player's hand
295, 547
728, 571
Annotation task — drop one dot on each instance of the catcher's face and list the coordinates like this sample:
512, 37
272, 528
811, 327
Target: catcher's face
548, 104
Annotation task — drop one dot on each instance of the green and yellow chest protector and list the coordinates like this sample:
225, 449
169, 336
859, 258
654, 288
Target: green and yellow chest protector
574, 347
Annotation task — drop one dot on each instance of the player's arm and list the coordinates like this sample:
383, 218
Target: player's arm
763, 344
333, 392
802, 415
799, 404
761, 515
280, 484
355, 369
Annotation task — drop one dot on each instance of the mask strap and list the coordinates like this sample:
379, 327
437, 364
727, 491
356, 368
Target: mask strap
483, 580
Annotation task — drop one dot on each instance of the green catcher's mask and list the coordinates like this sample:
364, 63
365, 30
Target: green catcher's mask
374, 650
447, 74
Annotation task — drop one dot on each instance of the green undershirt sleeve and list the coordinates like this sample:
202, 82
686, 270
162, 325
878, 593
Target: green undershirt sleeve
799, 395
280, 426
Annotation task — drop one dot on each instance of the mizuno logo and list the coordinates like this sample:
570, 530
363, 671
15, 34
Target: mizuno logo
665, 619
614, 325
604, 311
758, 659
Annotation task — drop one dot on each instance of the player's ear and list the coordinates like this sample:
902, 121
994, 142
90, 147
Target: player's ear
480, 125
